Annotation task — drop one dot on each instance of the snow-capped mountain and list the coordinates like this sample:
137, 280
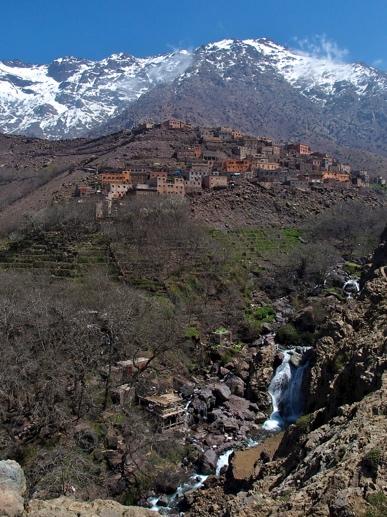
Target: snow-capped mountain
71, 96
315, 77
254, 84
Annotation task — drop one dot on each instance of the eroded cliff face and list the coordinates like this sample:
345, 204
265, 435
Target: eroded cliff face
333, 460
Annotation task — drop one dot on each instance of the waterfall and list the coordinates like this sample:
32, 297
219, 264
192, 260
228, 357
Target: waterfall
285, 391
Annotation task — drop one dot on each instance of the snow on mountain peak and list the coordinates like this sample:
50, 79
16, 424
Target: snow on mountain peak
71, 96
224, 44
316, 76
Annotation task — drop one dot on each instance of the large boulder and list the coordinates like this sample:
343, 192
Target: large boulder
244, 465
11, 503
241, 369
208, 397
168, 480
198, 409
208, 461
12, 489
261, 372
221, 391
240, 408
12, 476
223, 423
116, 485
295, 359
336, 278
305, 320
236, 385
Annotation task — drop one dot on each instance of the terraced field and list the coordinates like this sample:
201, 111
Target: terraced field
58, 254
156, 270
167, 270
254, 246
172, 270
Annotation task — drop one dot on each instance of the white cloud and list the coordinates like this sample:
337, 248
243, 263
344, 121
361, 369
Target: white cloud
378, 63
321, 46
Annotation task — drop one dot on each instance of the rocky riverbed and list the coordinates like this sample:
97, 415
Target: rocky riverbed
225, 425
227, 412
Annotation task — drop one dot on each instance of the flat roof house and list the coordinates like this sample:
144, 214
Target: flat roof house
168, 409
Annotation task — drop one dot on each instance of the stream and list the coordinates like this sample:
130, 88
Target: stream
285, 390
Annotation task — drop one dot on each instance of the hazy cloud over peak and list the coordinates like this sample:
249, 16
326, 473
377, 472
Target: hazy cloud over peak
321, 46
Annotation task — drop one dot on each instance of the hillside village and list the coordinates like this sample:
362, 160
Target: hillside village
185, 160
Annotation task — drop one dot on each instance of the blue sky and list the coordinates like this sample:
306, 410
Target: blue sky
40, 30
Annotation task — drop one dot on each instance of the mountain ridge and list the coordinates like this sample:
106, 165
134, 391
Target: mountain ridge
253, 84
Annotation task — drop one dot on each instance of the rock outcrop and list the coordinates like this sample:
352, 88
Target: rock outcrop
246, 465
13, 488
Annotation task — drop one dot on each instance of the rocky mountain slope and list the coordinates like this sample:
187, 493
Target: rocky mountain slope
278, 207
332, 461
256, 85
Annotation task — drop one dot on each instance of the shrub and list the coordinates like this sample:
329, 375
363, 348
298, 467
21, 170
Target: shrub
254, 319
336, 292
289, 335
352, 268
220, 330
339, 362
227, 356
265, 313
238, 347
192, 333
371, 462
303, 422
378, 501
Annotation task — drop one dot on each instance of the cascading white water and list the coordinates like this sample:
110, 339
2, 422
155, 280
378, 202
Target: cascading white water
223, 461
194, 482
351, 286
285, 391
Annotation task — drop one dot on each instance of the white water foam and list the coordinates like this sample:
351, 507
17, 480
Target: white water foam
195, 481
351, 287
223, 461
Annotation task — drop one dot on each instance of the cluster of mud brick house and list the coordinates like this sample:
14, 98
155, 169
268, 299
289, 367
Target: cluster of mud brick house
219, 157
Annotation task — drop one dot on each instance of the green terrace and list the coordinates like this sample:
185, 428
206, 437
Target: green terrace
58, 254
179, 271
254, 246
164, 270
